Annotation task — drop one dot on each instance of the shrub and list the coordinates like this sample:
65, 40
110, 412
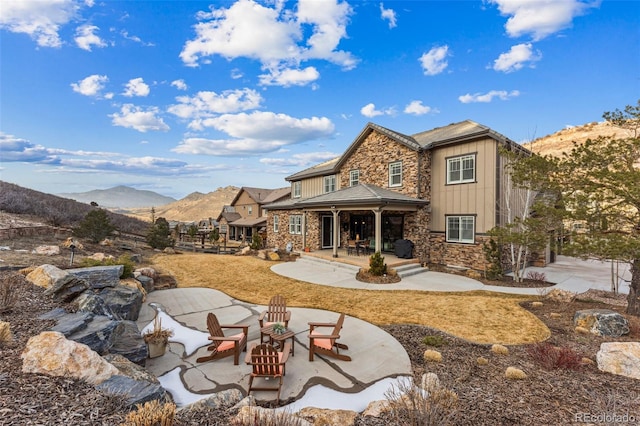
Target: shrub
552, 357
410, 405
5, 333
515, 374
433, 340
432, 356
256, 242
9, 283
494, 264
537, 276
159, 235
152, 413
482, 361
377, 265
500, 350
124, 260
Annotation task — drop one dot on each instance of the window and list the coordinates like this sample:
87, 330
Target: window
297, 189
329, 183
250, 210
460, 229
295, 224
276, 223
354, 177
395, 174
461, 169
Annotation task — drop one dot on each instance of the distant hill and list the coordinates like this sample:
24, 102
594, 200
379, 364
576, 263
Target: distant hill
35, 206
562, 141
193, 207
120, 197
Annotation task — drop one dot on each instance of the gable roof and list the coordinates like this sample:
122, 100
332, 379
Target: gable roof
261, 195
277, 194
317, 170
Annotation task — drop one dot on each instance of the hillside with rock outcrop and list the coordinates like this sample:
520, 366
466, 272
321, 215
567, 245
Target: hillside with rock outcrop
559, 142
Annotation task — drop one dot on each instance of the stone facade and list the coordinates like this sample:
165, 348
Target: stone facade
455, 254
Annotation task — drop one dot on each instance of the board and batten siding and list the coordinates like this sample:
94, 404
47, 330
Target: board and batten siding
314, 186
477, 198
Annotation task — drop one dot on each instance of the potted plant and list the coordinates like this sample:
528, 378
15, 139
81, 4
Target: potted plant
157, 339
279, 328
307, 248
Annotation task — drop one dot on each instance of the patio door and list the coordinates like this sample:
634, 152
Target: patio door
327, 232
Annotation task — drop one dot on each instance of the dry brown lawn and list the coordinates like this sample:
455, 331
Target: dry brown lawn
480, 317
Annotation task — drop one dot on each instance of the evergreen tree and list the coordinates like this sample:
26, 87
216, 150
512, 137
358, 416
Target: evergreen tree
159, 236
95, 226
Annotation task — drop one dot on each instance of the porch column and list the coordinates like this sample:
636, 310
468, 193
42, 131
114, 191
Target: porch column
336, 229
304, 230
378, 224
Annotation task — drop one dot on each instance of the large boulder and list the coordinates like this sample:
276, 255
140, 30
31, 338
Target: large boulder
602, 322
99, 276
146, 282
52, 354
46, 250
45, 275
67, 288
129, 369
123, 300
223, 399
322, 416
68, 323
135, 391
95, 304
129, 343
622, 358
99, 334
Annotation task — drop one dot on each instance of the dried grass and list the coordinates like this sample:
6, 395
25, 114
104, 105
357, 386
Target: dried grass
152, 413
477, 316
499, 349
432, 356
514, 373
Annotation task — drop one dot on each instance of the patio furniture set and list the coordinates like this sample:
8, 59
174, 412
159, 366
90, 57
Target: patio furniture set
268, 358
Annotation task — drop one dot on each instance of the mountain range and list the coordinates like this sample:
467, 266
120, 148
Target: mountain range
120, 197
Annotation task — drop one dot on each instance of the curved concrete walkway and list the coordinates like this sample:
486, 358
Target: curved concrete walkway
568, 273
326, 382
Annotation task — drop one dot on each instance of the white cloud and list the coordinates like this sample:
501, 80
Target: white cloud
40, 19
273, 36
256, 133
86, 37
416, 108
14, 149
389, 15
90, 86
134, 117
207, 104
516, 58
435, 61
236, 73
541, 18
369, 110
179, 84
300, 160
290, 77
136, 87
125, 34
488, 97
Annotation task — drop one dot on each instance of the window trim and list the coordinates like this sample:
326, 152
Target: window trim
326, 184
391, 165
460, 159
295, 224
460, 239
297, 189
352, 173
276, 223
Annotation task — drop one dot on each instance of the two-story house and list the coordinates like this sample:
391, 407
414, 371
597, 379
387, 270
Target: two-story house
441, 189
246, 215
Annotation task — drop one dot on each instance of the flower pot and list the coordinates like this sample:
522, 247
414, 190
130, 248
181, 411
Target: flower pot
307, 249
156, 349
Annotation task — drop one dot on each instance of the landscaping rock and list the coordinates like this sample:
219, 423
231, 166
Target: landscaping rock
561, 296
124, 301
47, 250
52, 354
222, 399
146, 282
129, 369
135, 391
621, 358
67, 288
602, 322
322, 416
69, 323
129, 343
45, 275
99, 334
376, 408
99, 276
274, 256
95, 304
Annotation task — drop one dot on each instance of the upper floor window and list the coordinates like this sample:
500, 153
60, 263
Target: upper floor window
249, 210
295, 224
297, 189
329, 183
276, 223
395, 174
461, 169
354, 177
460, 229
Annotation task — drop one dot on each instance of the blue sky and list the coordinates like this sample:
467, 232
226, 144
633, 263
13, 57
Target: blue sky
184, 96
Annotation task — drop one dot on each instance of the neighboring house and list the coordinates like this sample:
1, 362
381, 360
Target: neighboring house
245, 215
441, 189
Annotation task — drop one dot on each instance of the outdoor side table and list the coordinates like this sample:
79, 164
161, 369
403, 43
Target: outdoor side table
278, 340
